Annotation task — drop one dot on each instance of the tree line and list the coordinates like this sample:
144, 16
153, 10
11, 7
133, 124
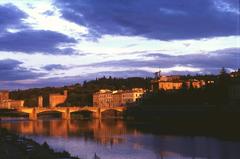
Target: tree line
80, 94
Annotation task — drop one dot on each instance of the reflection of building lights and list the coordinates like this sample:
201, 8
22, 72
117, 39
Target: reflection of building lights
136, 133
170, 154
137, 146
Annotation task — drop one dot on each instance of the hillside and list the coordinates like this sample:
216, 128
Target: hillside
80, 94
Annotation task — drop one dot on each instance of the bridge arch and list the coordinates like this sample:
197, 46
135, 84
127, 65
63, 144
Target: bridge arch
82, 114
83, 110
111, 113
118, 109
50, 113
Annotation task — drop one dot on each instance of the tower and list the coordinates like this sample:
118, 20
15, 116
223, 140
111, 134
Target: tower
40, 101
65, 93
157, 74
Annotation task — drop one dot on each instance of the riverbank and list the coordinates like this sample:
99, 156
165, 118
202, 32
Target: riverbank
13, 146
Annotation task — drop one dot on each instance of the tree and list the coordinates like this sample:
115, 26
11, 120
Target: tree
223, 71
223, 85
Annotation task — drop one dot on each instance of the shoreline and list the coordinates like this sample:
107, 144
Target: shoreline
13, 146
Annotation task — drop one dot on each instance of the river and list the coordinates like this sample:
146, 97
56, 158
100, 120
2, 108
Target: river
115, 139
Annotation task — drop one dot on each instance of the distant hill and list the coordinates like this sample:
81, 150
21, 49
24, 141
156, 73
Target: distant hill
80, 94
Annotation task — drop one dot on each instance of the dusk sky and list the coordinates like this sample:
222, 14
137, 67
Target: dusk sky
62, 42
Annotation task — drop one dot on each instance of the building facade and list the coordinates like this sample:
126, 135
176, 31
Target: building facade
235, 74
4, 95
175, 83
166, 83
195, 83
103, 98
56, 99
40, 101
108, 98
117, 98
130, 96
11, 104
7, 103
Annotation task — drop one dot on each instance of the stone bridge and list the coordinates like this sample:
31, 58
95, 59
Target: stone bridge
66, 111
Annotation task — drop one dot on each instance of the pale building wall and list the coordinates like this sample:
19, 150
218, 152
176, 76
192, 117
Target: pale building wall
169, 78
95, 99
174, 83
11, 104
6, 103
137, 95
16, 103
40, 101
198, 84
170, 85
195, 83
103, 98
55, 99
127, 97
116, 98
4, 95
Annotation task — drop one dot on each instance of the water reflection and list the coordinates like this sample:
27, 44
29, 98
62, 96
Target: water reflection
114, 140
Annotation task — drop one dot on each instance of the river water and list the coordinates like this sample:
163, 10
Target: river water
112, 139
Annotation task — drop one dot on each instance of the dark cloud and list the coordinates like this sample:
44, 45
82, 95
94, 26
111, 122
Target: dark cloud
9, 64
27, 40
10, 70
156, 19
55, 67
10, 16
31, 41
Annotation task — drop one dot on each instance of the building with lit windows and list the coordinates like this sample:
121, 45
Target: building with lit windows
108, 98
175, 83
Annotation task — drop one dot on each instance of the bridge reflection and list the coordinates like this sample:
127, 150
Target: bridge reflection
104, 132
115, 132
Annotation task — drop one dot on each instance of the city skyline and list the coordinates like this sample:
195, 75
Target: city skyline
59, 42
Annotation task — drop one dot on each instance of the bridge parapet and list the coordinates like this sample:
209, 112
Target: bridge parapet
66, 111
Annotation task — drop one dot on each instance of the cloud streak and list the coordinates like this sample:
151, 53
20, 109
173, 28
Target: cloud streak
11, 70
55, 67
209, 62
